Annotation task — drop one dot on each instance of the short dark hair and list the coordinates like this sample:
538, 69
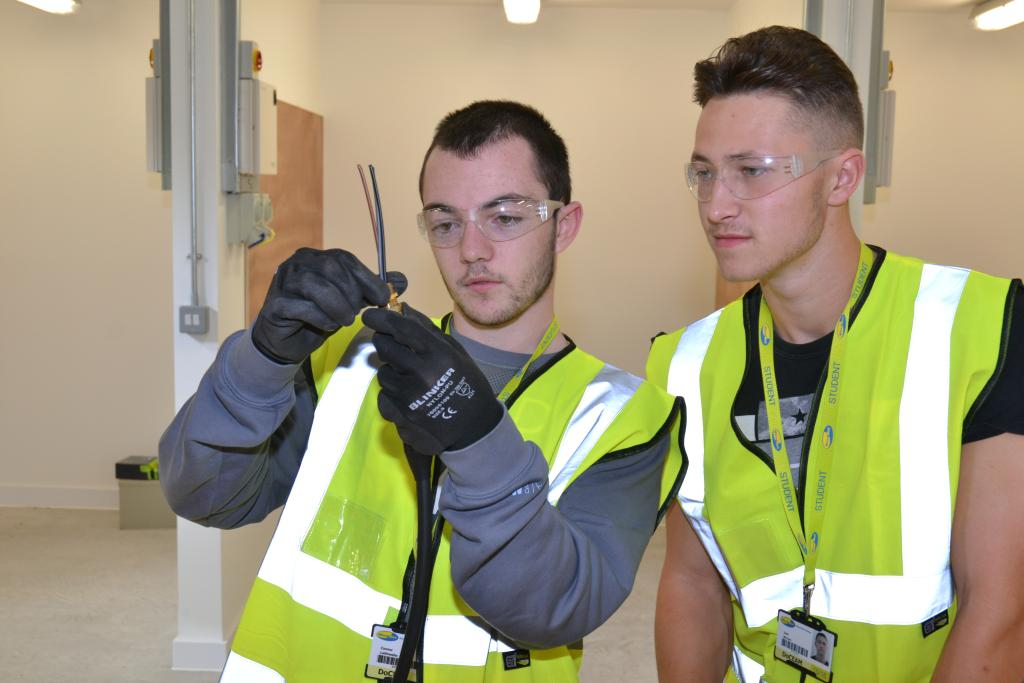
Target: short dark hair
794, 64
465, 131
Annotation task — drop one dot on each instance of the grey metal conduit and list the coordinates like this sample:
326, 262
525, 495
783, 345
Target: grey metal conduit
194, 255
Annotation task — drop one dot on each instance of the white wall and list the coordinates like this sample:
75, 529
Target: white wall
86, 350
955, 196
750, 15
614, 82
86, 346
288, 36
86, 342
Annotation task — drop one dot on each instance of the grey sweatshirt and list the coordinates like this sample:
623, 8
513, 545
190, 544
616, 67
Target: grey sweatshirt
232, 452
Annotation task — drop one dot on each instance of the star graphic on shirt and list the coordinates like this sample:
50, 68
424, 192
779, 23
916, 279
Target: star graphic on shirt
799, 415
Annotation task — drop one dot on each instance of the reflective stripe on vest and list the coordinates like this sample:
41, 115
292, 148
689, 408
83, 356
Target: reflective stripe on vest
923, 445
895, 600
684, 380
448, 639
926, 586
241, 668
602, 401
746, 669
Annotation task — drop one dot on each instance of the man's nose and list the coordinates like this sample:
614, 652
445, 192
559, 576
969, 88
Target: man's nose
474, 245
723, 204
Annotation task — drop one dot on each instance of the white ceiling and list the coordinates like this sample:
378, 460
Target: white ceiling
898, 5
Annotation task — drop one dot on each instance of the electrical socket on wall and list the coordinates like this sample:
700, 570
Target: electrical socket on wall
194, 319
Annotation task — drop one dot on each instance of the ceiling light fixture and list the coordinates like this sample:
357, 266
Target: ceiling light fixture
54, 6
521, 11
996, 15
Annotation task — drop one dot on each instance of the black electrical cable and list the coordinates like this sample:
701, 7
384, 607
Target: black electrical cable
380, 226
413, 641
427, 542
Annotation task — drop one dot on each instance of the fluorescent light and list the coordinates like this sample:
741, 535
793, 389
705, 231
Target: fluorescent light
54, 6
996, 15
521, 11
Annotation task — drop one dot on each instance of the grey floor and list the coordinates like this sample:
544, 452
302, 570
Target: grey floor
82, 601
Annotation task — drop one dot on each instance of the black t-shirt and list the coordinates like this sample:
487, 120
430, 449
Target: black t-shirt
799, 368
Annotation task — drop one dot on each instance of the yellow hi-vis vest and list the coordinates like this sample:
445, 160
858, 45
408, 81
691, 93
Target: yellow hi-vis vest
922, 349
335, 564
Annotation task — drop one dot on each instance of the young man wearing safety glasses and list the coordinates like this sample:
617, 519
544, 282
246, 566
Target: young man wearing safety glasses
533, 450
853, 491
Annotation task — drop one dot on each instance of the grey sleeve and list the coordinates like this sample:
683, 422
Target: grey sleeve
231, 453
546, 576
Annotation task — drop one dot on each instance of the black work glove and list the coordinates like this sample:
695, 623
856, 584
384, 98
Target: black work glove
429, 386
314, 293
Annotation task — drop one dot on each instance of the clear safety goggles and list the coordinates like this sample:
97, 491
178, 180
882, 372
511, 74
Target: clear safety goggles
749, 177
499, 221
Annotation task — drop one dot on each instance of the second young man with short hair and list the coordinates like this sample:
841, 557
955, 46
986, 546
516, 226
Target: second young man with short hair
838, 413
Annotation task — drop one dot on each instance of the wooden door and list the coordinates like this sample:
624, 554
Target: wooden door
297, 194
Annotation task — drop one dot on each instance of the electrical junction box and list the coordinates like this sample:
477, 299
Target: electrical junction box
886, 128
154, 126
257, 127
157, 111
248, 218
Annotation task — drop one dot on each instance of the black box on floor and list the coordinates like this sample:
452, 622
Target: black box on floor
137, 467
141, 502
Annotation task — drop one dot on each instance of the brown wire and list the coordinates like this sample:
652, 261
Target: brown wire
369, 206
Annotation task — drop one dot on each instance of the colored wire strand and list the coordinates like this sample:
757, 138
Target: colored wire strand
374, 213
381, 264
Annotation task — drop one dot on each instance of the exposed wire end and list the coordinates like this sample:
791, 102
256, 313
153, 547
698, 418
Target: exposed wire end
369, 206
379, 225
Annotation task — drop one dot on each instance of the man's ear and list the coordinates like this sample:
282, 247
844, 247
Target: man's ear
567, 225
847, 176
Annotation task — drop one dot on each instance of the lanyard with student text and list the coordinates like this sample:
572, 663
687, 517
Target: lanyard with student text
821, 449
542, 346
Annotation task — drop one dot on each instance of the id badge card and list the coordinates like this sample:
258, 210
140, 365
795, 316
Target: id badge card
385, 646
803, 642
